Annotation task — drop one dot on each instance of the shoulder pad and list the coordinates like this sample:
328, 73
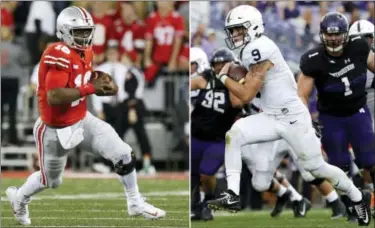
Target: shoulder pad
257, 51
58, 56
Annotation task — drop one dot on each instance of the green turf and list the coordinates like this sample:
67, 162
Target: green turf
316, 218
106, 209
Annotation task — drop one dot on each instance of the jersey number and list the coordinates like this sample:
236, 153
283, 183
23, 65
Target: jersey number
346, 82
78, 82
164, 35
256, 54
63, 48
213, 100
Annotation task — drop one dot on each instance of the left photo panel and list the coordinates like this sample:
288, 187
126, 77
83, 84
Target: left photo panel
94, 114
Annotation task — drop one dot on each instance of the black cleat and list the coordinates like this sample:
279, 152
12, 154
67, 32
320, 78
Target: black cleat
207, 213
350, 212
280, 203
228, 201
195, 216
338, 209
362, 209
300, 208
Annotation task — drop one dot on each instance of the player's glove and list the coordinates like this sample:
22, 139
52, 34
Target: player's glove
318, 128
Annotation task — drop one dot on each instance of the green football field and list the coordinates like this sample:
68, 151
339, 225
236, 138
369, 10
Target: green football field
100, 203
316, 218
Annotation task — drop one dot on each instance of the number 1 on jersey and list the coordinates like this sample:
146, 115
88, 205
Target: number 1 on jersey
346, 82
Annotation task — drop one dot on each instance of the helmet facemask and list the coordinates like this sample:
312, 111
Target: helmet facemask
78, 38
82, 37
334, 41
237, 35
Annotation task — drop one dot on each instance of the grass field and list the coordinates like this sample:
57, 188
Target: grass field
100, 203
317, 218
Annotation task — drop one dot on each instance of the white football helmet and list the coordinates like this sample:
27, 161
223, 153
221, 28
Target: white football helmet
199, 57
362, 28
247, 17
75, 27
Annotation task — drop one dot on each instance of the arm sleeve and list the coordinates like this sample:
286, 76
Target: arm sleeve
149, 28
305, 66
362, 47
56, 79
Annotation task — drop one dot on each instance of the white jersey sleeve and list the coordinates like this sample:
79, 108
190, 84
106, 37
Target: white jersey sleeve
279, 90
257, 51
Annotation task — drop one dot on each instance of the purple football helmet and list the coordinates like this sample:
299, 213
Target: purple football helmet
334, 28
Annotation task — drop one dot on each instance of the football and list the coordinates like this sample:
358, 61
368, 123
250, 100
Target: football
108, 78
99, 74
237, 72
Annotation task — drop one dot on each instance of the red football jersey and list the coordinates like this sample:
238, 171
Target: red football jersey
102, 31
7, 18
129, 37
59, 58
163, 30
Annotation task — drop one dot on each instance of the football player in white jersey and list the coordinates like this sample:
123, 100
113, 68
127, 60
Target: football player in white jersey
284, 115
366, 29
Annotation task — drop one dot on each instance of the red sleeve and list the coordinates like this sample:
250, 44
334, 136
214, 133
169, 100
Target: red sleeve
56, 79
179, 26
58, 56
149, 28
139, 37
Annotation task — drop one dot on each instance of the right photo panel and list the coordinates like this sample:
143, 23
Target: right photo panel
282, 108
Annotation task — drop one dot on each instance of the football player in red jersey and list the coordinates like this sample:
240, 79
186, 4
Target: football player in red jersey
165, 30
64, 81
129, 33
103, 23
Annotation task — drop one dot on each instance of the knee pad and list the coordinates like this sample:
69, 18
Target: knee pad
307, 176
317, 181
124, 169
312, 163
54, 183
262, 182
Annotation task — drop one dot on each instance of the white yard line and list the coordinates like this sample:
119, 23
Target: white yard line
94, 218
94, 226
103, 195
98, 210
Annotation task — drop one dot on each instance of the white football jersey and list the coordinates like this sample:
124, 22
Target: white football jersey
279, 91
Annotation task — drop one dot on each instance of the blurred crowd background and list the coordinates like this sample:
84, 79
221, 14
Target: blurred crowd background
294, 26
147, 42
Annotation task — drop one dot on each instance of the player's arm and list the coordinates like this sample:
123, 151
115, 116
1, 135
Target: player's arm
56, 93
370, 62
305, 86
177, 43
198, 82
235, 101
253, 81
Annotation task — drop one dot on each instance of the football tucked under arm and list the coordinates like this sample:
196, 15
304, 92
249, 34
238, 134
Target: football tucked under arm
237, 73
99, 75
